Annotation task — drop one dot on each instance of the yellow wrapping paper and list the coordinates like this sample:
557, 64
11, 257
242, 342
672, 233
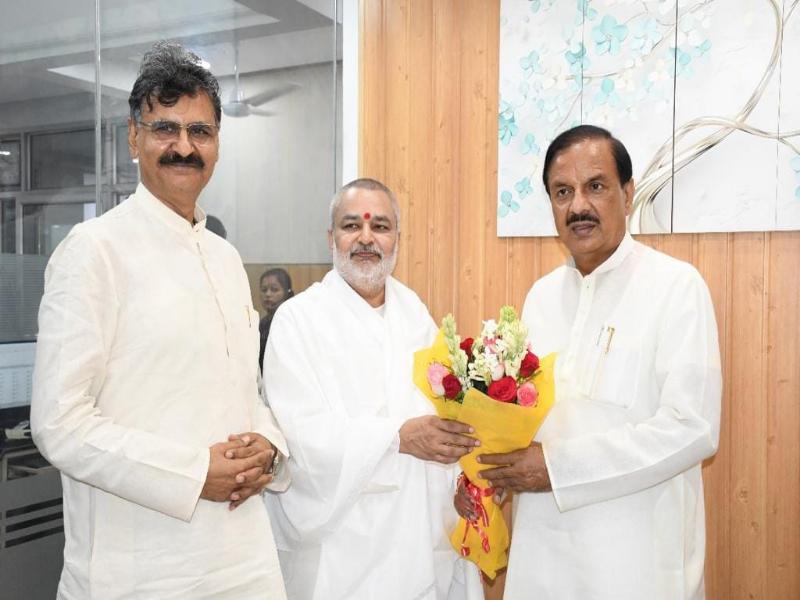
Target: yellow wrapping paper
501, 427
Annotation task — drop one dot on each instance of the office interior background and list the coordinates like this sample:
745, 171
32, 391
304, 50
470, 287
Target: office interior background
66, 70
426, 99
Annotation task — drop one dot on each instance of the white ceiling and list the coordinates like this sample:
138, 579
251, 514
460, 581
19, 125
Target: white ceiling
47, 47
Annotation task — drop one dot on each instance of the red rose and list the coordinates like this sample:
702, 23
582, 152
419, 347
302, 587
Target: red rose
503, 390
466, 346
451, 385
529, 365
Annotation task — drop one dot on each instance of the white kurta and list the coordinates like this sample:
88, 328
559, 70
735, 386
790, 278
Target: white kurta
146, 356
637, 410
361, 521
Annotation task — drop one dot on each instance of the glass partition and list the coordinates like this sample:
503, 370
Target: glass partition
62, 159
10, 165
63, 133
46, 149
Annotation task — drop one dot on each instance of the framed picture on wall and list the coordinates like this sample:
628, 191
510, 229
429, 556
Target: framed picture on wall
10, 165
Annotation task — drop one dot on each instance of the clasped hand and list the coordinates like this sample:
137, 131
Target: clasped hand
238, 468
432, 438
522, 470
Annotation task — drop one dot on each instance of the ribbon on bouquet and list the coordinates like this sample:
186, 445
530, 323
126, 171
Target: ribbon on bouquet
476, 494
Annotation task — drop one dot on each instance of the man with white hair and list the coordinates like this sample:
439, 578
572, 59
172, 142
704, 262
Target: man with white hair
368, 512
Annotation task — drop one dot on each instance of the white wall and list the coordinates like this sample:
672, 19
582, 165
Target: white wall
275, 178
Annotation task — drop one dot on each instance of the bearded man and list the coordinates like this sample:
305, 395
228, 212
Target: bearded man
368, 512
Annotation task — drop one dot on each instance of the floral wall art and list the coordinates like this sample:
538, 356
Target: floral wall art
705, 94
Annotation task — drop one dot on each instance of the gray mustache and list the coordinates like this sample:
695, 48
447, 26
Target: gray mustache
371, 248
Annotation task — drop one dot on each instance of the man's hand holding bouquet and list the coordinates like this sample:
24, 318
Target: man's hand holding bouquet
497, 385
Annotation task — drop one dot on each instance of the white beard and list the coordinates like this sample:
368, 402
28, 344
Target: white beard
366, 278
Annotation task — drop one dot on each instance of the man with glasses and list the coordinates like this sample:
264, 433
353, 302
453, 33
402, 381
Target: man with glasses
145, 387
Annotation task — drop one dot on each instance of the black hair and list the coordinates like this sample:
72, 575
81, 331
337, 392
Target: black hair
581, 133
283, 278
214, 225
169, 71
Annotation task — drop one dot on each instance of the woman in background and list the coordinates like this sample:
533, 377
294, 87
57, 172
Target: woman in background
276, 288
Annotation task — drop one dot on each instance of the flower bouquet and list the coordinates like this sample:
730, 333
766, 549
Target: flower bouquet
497, 385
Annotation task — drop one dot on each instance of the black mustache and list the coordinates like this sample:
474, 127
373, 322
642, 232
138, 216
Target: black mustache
173, 158
584, 216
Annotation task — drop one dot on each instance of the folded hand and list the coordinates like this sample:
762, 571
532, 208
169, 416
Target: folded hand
238, 468
522, 471
432, 438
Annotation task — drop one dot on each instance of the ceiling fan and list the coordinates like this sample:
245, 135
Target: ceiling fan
239, 106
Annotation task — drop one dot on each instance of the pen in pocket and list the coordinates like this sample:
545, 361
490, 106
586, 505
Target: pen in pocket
604, 338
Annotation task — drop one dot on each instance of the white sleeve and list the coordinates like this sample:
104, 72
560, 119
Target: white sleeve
77, 321
334, 457
683, 431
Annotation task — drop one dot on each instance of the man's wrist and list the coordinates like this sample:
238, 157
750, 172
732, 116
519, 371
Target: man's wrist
277, 464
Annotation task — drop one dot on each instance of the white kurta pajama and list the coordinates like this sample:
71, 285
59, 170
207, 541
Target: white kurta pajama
637, 409
147, 355
361, 521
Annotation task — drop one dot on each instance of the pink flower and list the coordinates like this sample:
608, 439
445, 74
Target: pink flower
436, 373
527, 395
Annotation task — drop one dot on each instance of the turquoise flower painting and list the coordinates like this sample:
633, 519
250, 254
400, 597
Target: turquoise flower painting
507, 125
645, 35
609, 35
577, 60
523, 187
529, 145
701, 92
507, 204
606, 94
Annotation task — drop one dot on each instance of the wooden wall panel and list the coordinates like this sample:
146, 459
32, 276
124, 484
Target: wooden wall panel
429, 98
713, 261
745, 379
783, 418
420, 144
446, 166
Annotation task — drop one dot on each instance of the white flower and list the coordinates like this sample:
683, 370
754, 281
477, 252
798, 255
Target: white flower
489, 328
556, 76
498, 370
659, 73
511, 368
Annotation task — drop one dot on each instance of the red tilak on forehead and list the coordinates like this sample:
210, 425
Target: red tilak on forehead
367, 216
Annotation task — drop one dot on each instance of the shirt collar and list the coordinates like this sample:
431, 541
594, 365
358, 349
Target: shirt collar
612, 262
166, 215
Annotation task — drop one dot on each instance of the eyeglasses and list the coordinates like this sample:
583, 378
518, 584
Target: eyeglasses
170, 131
